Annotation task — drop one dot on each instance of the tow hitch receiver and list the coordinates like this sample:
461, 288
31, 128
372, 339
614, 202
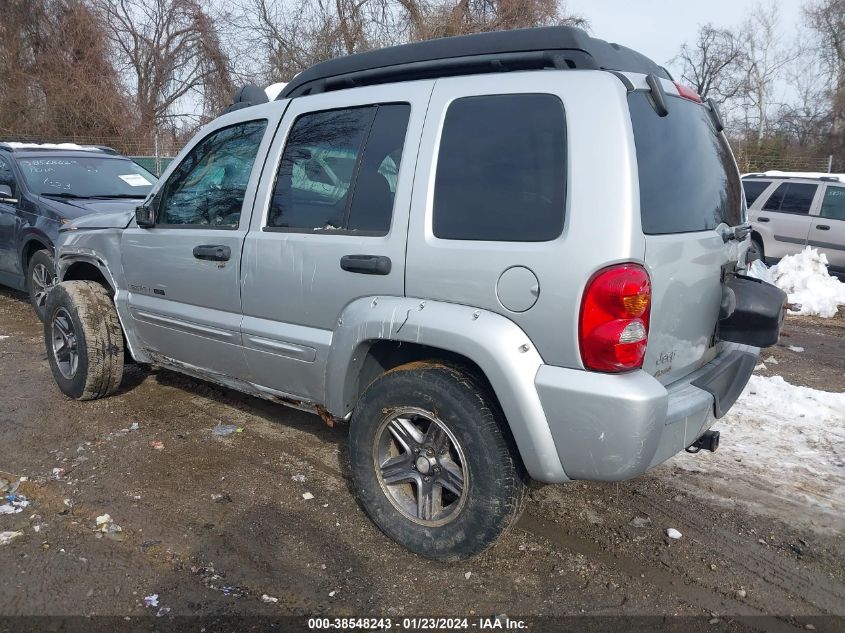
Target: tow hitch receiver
709, 441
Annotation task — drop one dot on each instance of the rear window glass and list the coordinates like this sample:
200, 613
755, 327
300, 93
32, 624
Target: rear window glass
792, 197
501, 169
753, 189
688, 178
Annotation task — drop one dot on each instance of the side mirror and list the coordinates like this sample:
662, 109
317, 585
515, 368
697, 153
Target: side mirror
145, 215
6, 194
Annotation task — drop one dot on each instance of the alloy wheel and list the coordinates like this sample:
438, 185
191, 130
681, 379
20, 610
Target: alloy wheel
65, 343
421, 466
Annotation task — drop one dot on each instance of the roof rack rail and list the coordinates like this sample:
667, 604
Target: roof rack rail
558, 47
796, 175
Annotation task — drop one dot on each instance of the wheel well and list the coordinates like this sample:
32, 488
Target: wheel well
382, 356
756, 237
86, 271
29, 249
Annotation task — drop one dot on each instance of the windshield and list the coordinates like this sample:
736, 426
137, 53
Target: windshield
688, 178
86, 176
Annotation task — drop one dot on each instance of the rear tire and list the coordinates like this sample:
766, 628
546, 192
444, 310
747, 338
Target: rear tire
433, 463
84, 340
40, 273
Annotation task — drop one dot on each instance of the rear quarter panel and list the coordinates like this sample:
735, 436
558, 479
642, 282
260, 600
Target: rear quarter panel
601, 224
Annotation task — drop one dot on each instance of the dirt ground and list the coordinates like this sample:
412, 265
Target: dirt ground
213, 524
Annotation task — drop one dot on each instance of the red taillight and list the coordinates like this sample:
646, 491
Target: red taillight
687, 93
613, 330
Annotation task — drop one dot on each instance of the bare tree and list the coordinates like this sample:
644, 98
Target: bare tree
170, 52
295, 36
712, 65
56, 77
827, 19
764, 60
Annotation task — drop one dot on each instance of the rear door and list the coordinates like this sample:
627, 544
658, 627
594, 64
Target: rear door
787, 210
330, 226
827, 230
690, 193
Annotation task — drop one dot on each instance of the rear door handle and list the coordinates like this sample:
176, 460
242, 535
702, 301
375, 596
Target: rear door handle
213, 252
823, 227
366, 264
762, 219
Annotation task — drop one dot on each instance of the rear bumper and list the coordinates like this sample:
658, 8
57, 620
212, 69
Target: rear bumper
610, 427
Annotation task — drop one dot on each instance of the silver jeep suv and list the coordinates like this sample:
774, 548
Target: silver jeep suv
527, 265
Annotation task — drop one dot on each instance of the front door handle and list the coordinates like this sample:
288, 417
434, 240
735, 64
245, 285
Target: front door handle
213, 252
823, 227
762, 219
366, 264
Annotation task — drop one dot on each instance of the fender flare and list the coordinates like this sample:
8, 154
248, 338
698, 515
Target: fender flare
496, 344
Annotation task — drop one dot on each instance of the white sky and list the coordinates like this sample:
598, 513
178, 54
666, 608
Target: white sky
657, 28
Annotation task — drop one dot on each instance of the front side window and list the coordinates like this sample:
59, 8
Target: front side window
207, 189
339, 171
501, 169
753, 189
833, 205
792, 197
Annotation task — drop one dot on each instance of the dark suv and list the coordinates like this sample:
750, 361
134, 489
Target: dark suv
43, 186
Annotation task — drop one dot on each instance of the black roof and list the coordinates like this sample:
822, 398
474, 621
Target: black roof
561, 47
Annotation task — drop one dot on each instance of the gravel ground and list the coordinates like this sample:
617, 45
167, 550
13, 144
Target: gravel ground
213, 524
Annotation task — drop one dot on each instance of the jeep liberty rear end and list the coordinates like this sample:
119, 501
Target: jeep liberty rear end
491, 276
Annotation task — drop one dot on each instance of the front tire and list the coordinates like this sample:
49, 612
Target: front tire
433, 463
758, 246
40, 274
83, 339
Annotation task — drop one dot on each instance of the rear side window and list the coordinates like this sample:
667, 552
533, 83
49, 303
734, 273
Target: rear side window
791, 197
833, 206
688, 178
753, 189
501, 169
339, 171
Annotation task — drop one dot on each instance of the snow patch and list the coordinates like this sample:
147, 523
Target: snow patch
65, 146
782, 451
804, 174
805, 279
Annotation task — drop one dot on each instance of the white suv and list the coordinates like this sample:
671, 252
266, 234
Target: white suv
789, 211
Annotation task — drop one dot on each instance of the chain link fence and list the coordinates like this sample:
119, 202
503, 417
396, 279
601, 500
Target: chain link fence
152, 154
755, 162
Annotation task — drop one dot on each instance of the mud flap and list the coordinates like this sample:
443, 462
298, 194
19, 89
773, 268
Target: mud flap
727, 380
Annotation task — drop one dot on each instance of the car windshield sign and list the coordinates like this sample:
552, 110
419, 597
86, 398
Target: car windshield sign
86, 177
